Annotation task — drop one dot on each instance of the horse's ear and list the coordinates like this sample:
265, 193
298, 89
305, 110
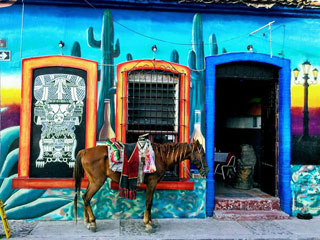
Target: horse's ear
193, 140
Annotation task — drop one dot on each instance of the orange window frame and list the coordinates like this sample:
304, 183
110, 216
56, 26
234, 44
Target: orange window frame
184, 111
28, 65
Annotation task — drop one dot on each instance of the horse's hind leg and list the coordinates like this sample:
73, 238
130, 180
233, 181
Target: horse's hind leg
88, 213
85, 208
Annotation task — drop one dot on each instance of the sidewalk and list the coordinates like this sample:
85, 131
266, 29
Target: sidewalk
208, 228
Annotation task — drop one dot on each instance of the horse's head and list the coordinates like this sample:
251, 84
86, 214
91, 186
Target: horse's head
198, 157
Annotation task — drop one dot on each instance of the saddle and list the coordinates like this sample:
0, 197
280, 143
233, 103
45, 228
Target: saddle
133, 160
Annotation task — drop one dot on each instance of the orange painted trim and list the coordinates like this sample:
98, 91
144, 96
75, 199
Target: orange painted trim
121, 106
184, 167
25, 121
163, 186
45, 183
28, 65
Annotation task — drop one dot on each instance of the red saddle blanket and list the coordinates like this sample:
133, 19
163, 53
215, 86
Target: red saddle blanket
128, 180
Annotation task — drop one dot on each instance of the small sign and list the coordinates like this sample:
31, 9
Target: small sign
5, 55
4, 220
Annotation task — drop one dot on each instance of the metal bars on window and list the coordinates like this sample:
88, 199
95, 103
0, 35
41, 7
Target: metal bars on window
153, 104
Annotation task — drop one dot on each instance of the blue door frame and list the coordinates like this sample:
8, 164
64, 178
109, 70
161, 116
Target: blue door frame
284, 122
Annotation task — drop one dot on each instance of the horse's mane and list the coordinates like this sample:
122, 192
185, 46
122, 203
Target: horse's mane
168, 145
166, 149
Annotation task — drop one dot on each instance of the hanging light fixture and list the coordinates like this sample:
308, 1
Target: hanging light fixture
61, 45
154, 49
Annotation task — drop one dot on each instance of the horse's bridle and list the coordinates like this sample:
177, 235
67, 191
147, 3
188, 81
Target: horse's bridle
195, 159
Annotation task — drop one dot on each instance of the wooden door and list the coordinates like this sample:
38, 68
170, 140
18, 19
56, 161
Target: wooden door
269, 139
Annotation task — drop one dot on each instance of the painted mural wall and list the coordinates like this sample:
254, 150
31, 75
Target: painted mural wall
114, 36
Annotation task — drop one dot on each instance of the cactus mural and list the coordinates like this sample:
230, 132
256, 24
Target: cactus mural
109, 51
196, 64
129, 57
76, 50
213, 44
174, 57
21, 203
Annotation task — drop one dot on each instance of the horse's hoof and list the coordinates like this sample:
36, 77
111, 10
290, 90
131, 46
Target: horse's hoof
93, 228
149, 229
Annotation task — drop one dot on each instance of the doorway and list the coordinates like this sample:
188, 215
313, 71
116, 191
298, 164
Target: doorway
283, 124
246, 113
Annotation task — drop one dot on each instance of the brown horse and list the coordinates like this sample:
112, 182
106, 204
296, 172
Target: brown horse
95, 163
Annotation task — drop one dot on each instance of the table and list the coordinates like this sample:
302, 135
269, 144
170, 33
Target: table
220, 157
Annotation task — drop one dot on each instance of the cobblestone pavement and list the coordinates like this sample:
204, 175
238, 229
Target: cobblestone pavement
132, 229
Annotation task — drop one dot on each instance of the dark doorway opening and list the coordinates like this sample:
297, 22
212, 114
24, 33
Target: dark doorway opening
246, 112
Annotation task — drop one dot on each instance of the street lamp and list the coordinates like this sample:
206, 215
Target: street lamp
306, 66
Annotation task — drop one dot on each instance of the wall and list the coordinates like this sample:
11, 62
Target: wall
36, 31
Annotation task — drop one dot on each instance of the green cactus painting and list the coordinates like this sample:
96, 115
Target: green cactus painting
76, 50
21, 203
196, 64
109, 51
213, 45
174, 57
129, 57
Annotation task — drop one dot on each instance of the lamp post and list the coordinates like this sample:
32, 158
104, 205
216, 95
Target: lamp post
306, 66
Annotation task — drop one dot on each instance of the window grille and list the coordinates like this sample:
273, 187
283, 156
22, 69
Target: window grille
153, 105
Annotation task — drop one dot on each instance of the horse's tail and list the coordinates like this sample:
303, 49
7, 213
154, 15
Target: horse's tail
77, 175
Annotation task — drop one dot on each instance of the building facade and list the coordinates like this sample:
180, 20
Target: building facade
225, 72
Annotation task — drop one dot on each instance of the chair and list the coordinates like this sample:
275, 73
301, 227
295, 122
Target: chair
229, 164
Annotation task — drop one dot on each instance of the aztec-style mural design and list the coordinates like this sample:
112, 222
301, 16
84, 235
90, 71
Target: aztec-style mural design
59, 109
184, 38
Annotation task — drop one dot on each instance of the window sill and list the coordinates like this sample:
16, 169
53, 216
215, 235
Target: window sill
46, 183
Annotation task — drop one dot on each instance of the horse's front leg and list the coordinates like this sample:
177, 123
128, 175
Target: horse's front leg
151, 186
